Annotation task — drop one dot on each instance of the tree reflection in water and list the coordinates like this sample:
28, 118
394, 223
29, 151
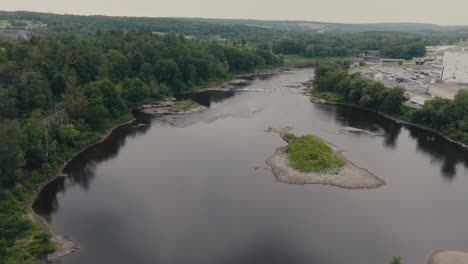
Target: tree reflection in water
81, 170
438, 148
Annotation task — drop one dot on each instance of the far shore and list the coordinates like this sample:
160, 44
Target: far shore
350, 176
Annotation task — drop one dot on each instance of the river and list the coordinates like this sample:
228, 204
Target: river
199, 192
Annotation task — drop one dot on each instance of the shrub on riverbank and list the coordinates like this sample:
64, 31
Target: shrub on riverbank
310, 154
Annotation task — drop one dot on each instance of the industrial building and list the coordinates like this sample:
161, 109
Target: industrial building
455, 67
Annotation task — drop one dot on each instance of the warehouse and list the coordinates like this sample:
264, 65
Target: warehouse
455, 67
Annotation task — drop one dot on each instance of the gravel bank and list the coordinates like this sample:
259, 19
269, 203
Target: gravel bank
448, 257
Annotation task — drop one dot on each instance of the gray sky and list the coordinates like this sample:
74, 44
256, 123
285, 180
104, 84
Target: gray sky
444, 12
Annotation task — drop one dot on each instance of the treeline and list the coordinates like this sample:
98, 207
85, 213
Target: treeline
84, 25
59, 93
450, 117
281, 36
336, 84
390, 44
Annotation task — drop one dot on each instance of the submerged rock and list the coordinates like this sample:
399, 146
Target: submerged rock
353, 130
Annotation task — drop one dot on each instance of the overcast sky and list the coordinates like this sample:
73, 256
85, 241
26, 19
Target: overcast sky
444, 12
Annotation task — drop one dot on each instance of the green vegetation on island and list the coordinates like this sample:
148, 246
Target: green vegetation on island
184, 105
449, 117
396, 260
310, 154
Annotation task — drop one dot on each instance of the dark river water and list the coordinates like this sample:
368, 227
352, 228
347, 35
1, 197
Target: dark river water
198, 191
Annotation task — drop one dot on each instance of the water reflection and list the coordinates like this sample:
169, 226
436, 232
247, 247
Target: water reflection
206, 98
448, 154
81, 170
47, 203
268, 249
351, 117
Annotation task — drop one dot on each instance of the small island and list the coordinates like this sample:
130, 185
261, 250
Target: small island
171, 107
310, 160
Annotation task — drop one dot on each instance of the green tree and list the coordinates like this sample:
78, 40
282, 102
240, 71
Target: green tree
33, 92
70, 134
394, 99
8, 109
75, 102
11, 154
111, 97
135, 90
117, 65
34, 148
167, 71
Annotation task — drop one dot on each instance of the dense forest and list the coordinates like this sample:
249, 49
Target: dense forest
389, 44
450, 117
59, 93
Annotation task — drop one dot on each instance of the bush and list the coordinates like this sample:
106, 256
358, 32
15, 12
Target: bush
396, 260
310, 154
184, 105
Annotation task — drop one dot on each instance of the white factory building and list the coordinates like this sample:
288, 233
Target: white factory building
455, 67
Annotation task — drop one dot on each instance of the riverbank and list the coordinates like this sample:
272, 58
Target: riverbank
63, 245
349, 176
318, 100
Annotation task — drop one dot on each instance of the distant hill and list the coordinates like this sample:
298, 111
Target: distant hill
250, 30
324, 26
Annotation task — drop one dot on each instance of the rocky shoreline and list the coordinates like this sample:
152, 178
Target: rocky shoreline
350, 176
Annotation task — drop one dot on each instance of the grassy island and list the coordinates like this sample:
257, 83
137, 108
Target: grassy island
184, 106
310, 154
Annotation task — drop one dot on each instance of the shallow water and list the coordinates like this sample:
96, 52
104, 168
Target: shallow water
198, 192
